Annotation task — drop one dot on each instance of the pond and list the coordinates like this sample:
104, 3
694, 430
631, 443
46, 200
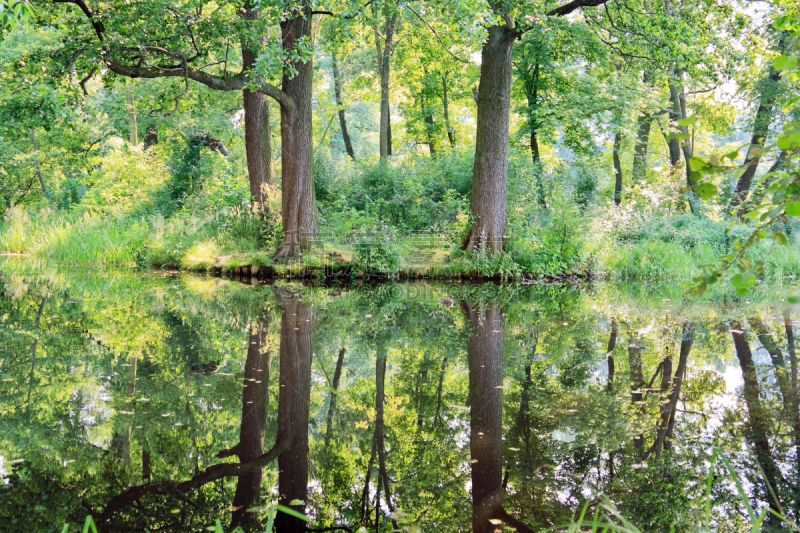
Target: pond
166, 402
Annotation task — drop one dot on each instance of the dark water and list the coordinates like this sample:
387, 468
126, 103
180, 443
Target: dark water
165, 403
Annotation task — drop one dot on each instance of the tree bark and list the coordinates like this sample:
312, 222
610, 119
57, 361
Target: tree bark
617, 168
334, 392
758, 420
299, 215
255, 405
639, 170
151, 137
612, 344
337, 93
490, 171
384, 56
254, 116
451, 136
36, 162
678, 112
133, 132
669, 408
297, 340
764, 115
485, 362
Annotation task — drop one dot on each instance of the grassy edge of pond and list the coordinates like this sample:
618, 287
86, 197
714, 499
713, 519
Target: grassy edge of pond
671, 252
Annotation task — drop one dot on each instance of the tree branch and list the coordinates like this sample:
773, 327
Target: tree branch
568, 8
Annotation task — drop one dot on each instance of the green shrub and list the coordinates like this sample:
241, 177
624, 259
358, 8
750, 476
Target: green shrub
377, 251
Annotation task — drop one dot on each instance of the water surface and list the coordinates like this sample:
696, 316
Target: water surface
166, 402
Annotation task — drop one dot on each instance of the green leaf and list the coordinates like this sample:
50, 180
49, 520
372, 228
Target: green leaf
705, 191
784, 62
780, 237
695, 163
687, 121
793, 209
743, 280
793, 299
292, 512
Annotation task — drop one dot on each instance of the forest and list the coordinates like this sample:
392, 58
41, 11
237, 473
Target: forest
399, 266
632, 140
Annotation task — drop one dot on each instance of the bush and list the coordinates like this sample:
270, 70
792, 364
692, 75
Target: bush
377, 251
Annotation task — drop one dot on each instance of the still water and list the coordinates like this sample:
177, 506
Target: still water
168, 402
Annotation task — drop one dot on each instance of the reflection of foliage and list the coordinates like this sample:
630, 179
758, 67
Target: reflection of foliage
96, 426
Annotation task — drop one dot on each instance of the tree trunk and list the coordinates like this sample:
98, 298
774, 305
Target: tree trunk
255, 404
761, 188
485, 362
669, 408
151, 137
758, 419
764, 114
532, 96
637, 386
299, 213
485, 355
429, 125
612, 344
254, 116
266, 135
617, 168
126, 439
639, 170
490, 171
678, 112
334, 392
133, 132
384, 58
37, 163
297, 341
35, 345
451, 136
337, 92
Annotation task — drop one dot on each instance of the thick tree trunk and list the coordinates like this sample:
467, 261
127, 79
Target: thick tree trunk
617, 168
337, 93
451, 136
255, 404
384, 52
485, 362
764, 114
639, 170
490, 171
485, 355
254, 135
758, 419
299, 214
297, 340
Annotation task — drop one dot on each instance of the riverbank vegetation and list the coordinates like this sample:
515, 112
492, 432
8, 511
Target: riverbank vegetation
364, 139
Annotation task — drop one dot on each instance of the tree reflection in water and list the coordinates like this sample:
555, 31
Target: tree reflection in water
146, 402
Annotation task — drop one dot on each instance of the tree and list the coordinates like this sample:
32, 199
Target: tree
165, 53
490, 173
